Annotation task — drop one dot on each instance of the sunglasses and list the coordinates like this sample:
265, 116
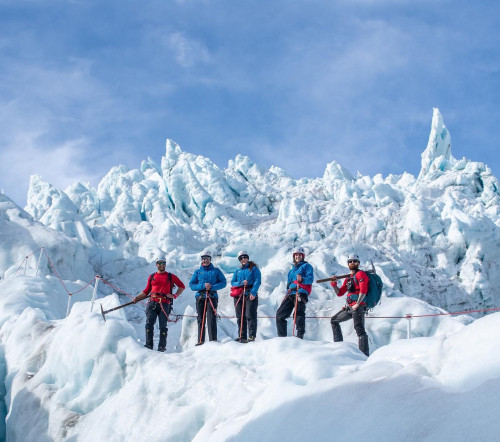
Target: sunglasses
350, 261
161, 263
206, 259
242, 257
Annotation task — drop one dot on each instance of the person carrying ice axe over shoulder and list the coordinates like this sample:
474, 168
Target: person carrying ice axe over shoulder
160, 289
356, 286
299, 283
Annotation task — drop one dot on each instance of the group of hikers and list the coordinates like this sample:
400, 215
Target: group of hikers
207, 280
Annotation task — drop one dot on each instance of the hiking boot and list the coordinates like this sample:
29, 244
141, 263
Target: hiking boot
150, 347
251, 338
199, 343
162, 349
242, 340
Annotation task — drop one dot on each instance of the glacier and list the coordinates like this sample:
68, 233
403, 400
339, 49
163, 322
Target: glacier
434, 240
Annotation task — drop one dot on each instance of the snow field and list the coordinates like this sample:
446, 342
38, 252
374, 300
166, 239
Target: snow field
84, 378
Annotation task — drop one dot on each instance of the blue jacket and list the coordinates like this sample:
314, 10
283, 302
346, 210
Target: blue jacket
210, 274
305, 270
252, 276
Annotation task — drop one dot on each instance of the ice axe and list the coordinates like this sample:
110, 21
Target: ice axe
372, 270
105, 312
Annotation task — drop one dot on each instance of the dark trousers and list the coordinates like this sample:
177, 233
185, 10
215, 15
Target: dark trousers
284, 312
358, 317
157, 310
249, 318
211, 318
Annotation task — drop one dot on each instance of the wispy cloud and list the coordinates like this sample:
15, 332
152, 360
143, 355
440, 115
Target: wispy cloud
188, 51
294, 84
61, 165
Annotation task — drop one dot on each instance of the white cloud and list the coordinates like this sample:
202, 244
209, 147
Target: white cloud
60, 165
188, 52
50, 118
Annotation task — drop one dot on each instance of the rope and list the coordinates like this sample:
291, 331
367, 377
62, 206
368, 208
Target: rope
408, 316
243, 315
25, 258
83, 288
178, 317
295, 310
55, 272
119, 290
20, 265
202, 331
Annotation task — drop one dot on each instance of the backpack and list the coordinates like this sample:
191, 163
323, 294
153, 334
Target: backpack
375, 287
152, 278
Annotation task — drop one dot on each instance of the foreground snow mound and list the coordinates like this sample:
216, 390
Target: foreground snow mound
81, 378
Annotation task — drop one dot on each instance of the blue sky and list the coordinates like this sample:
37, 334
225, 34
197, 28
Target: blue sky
87, 85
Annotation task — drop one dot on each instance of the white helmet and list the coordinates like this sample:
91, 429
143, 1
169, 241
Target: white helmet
242, 253
299, 250
206, 253
160, 259
352, 257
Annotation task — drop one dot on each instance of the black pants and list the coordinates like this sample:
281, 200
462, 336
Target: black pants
249, 318
211, 318
358, 317
157, 310
284, 312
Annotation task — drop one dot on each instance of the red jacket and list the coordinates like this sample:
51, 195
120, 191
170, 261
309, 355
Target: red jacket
159, 284
360, 281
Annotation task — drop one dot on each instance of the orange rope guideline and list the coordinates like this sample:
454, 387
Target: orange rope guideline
372, 317
407, 316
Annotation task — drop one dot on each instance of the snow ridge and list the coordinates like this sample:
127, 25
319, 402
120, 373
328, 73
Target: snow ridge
434, 238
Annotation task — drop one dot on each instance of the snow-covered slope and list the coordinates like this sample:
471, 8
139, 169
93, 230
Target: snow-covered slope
82, 379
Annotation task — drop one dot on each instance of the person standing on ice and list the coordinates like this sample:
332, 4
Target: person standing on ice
244, 287
160, 286
356, 287
205, 282
299, 283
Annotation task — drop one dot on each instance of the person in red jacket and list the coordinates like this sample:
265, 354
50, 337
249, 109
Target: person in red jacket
160, 288
356, 287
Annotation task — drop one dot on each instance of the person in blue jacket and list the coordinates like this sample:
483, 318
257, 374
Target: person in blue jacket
205, 282
244, 287
299, 284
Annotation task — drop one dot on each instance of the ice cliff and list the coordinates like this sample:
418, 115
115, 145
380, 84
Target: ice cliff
434, 237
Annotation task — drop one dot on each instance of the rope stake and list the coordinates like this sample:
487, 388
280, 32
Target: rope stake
408, 316
97, 278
